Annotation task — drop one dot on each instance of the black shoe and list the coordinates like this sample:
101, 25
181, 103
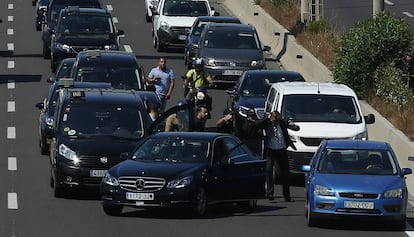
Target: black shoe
288, 199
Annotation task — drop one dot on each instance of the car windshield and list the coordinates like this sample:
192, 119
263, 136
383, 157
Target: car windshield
101, 121
55, 8
85, 24
321, 108
357, 162
119, 77
185, 8
231, 40
259, 84
63, 71
176, 149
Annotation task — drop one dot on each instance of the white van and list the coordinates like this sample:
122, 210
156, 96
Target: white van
322, 111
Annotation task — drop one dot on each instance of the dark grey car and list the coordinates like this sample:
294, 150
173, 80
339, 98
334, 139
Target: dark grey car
229, 49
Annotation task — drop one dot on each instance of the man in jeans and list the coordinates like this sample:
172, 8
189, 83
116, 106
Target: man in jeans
276, 142
163, 79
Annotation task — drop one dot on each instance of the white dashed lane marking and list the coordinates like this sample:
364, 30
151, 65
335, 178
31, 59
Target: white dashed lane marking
10, 18
115, 20
11, 132
11, 85
10, 64
10, 6
109, 7
11, 106
389, 3
10, 32
10, 46
12, 200
408, 14
12, 163
128, 48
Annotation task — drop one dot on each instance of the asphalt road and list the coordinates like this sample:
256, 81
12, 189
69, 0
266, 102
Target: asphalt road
344, 14
27, 205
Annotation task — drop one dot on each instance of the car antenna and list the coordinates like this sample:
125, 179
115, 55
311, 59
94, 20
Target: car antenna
319, 91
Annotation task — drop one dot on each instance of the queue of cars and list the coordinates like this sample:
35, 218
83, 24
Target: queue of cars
101, 135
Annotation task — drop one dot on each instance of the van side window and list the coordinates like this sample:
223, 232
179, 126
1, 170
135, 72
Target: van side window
270, 100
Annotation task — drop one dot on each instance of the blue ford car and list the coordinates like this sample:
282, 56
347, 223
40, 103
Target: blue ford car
357, 179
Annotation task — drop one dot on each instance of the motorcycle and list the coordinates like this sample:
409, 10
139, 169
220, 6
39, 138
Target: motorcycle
198, 97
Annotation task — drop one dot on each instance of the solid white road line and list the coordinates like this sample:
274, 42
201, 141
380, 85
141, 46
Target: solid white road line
10, 18
10, 64
10, 32
12, 200
11, 85
11, 106
10, 46
408, 14
128, 48
12, 163
11, 132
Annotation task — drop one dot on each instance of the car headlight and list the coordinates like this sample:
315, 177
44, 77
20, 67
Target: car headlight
361, 136
110, 180
244, 111
394, 193
323, 191
49, 121
164, 26
111, 47
257, 63
68, 154
180, 183
211, 62
64, 47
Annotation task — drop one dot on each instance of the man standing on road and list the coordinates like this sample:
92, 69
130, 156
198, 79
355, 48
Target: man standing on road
163, 79
276, 142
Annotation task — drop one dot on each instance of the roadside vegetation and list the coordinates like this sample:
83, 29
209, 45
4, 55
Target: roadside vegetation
373, 58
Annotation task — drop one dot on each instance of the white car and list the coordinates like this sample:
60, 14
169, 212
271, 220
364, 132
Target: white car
149, 6
172, 21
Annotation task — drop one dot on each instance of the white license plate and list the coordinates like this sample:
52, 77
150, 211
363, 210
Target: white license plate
182, 37
232, 72
139, 196
97, 173
359, 205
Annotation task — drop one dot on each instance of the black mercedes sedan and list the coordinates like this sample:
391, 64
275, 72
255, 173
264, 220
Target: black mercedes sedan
185, 169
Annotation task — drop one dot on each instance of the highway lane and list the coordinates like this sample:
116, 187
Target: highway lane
35, 212
343, 15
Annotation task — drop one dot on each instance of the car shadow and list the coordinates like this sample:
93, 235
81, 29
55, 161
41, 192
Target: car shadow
358, 224
216, 211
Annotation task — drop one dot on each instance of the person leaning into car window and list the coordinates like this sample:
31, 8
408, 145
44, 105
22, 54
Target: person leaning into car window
225, 123
163, 79
196, 77
276, 142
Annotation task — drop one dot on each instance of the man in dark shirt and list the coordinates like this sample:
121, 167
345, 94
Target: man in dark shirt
200, 119
225, 123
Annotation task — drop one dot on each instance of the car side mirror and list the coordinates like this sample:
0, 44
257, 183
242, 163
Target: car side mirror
406, 171
121, 32
40, 105
124, 155
50, 80
369, 119
266, 48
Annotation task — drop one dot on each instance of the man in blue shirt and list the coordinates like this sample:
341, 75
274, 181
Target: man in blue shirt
163, 79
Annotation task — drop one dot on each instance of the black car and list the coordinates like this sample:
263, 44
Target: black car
249, 94
187, 169
80, 29
63, 70
47, 109
229, 49
91, 128
52, 15
41, 8
119, 68
196, 30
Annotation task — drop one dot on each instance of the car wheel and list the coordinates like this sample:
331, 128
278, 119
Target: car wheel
186, 56
310, 217
147, 17
251, 204
200, 203
38, 27
112, 210
46, 51
58, 190
159, 46
44, 148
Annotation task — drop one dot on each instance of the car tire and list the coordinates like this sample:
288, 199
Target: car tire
44, 148
112, 210
58, 190
38, 27
310, 217
46, 51
199, 206
251, 204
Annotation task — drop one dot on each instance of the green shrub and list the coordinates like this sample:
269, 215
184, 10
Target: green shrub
390, 87
368, 45
288, 3
317, 27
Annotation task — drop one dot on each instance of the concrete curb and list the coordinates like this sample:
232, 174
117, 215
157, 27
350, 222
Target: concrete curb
286, 49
